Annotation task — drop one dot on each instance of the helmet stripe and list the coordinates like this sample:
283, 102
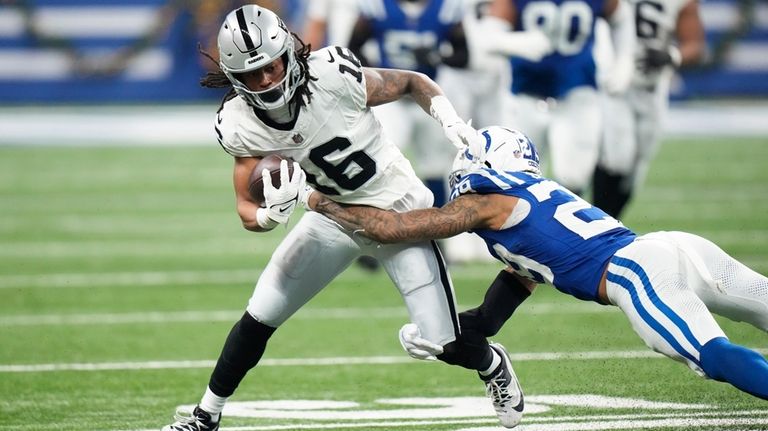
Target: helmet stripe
244, 32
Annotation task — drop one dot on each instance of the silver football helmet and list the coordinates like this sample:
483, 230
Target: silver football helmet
251, 38
506, 150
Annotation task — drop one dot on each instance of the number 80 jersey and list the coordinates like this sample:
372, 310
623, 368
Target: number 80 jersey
335, 138
553, 235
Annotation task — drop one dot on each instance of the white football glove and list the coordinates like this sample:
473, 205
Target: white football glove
417, 347
464, 136
280, 202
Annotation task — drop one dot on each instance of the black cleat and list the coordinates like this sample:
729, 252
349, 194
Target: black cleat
199, 420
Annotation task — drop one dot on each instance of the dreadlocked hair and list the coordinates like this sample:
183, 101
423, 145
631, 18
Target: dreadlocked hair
217, 78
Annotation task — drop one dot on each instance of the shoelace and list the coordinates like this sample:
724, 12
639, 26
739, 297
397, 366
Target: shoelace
187, 422
499, 391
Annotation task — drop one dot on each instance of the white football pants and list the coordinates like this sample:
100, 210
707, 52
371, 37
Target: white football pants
477, 95
317, 249
566, 131
631, 138
667, 283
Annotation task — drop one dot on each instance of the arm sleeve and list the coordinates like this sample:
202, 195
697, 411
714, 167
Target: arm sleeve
500, 39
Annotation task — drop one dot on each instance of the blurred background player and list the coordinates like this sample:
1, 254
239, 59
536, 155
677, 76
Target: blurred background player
412, 35
670, 35
555, 98
478, 92
329, 22
417, 35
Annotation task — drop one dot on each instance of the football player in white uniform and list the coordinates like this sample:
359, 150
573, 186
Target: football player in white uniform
632, 136
315, 108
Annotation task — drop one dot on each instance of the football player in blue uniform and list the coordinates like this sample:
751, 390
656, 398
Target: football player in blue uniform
666, 283
409, 35
555, 95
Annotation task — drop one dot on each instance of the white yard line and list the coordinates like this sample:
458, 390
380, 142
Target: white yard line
122, 279
156, 278
232, 315
303, 362
560, 423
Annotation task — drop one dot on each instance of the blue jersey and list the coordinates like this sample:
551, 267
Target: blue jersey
398, 34
553, 235
570, 25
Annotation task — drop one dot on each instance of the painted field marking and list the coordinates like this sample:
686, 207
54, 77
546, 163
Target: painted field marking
459, 411
331, 361
398, 312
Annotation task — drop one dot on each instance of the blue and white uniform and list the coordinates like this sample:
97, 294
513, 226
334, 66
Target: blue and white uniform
556, 101
571, 28
398, 32
554, 236
398, 29
665, 282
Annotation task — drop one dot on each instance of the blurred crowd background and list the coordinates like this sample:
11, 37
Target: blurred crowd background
125, 51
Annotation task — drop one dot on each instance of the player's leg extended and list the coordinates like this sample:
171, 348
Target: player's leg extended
419, 272
574, 138
728, 287
313, 253
501, 300
732, 290
649, 108
612, 180
649, 280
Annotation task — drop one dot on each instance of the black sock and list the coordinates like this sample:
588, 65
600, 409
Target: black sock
242, 351
502, 298
608, 193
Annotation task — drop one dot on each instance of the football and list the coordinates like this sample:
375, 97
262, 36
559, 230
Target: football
256, 182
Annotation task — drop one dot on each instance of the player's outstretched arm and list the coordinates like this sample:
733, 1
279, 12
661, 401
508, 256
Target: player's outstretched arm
460, 215
387, 85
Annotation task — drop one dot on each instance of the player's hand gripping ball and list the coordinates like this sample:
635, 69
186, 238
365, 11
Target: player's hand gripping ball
256, 181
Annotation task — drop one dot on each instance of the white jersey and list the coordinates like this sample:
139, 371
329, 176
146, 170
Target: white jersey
336, 138
656, 26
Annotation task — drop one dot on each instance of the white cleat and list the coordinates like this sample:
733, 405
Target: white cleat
504, 390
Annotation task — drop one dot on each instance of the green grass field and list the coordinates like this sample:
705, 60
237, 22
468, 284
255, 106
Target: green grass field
122, 270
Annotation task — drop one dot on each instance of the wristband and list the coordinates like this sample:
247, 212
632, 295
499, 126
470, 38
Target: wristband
442, 110
263, 220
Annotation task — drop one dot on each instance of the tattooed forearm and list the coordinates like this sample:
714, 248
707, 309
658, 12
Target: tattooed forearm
349, 218
387, 85
387, 226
